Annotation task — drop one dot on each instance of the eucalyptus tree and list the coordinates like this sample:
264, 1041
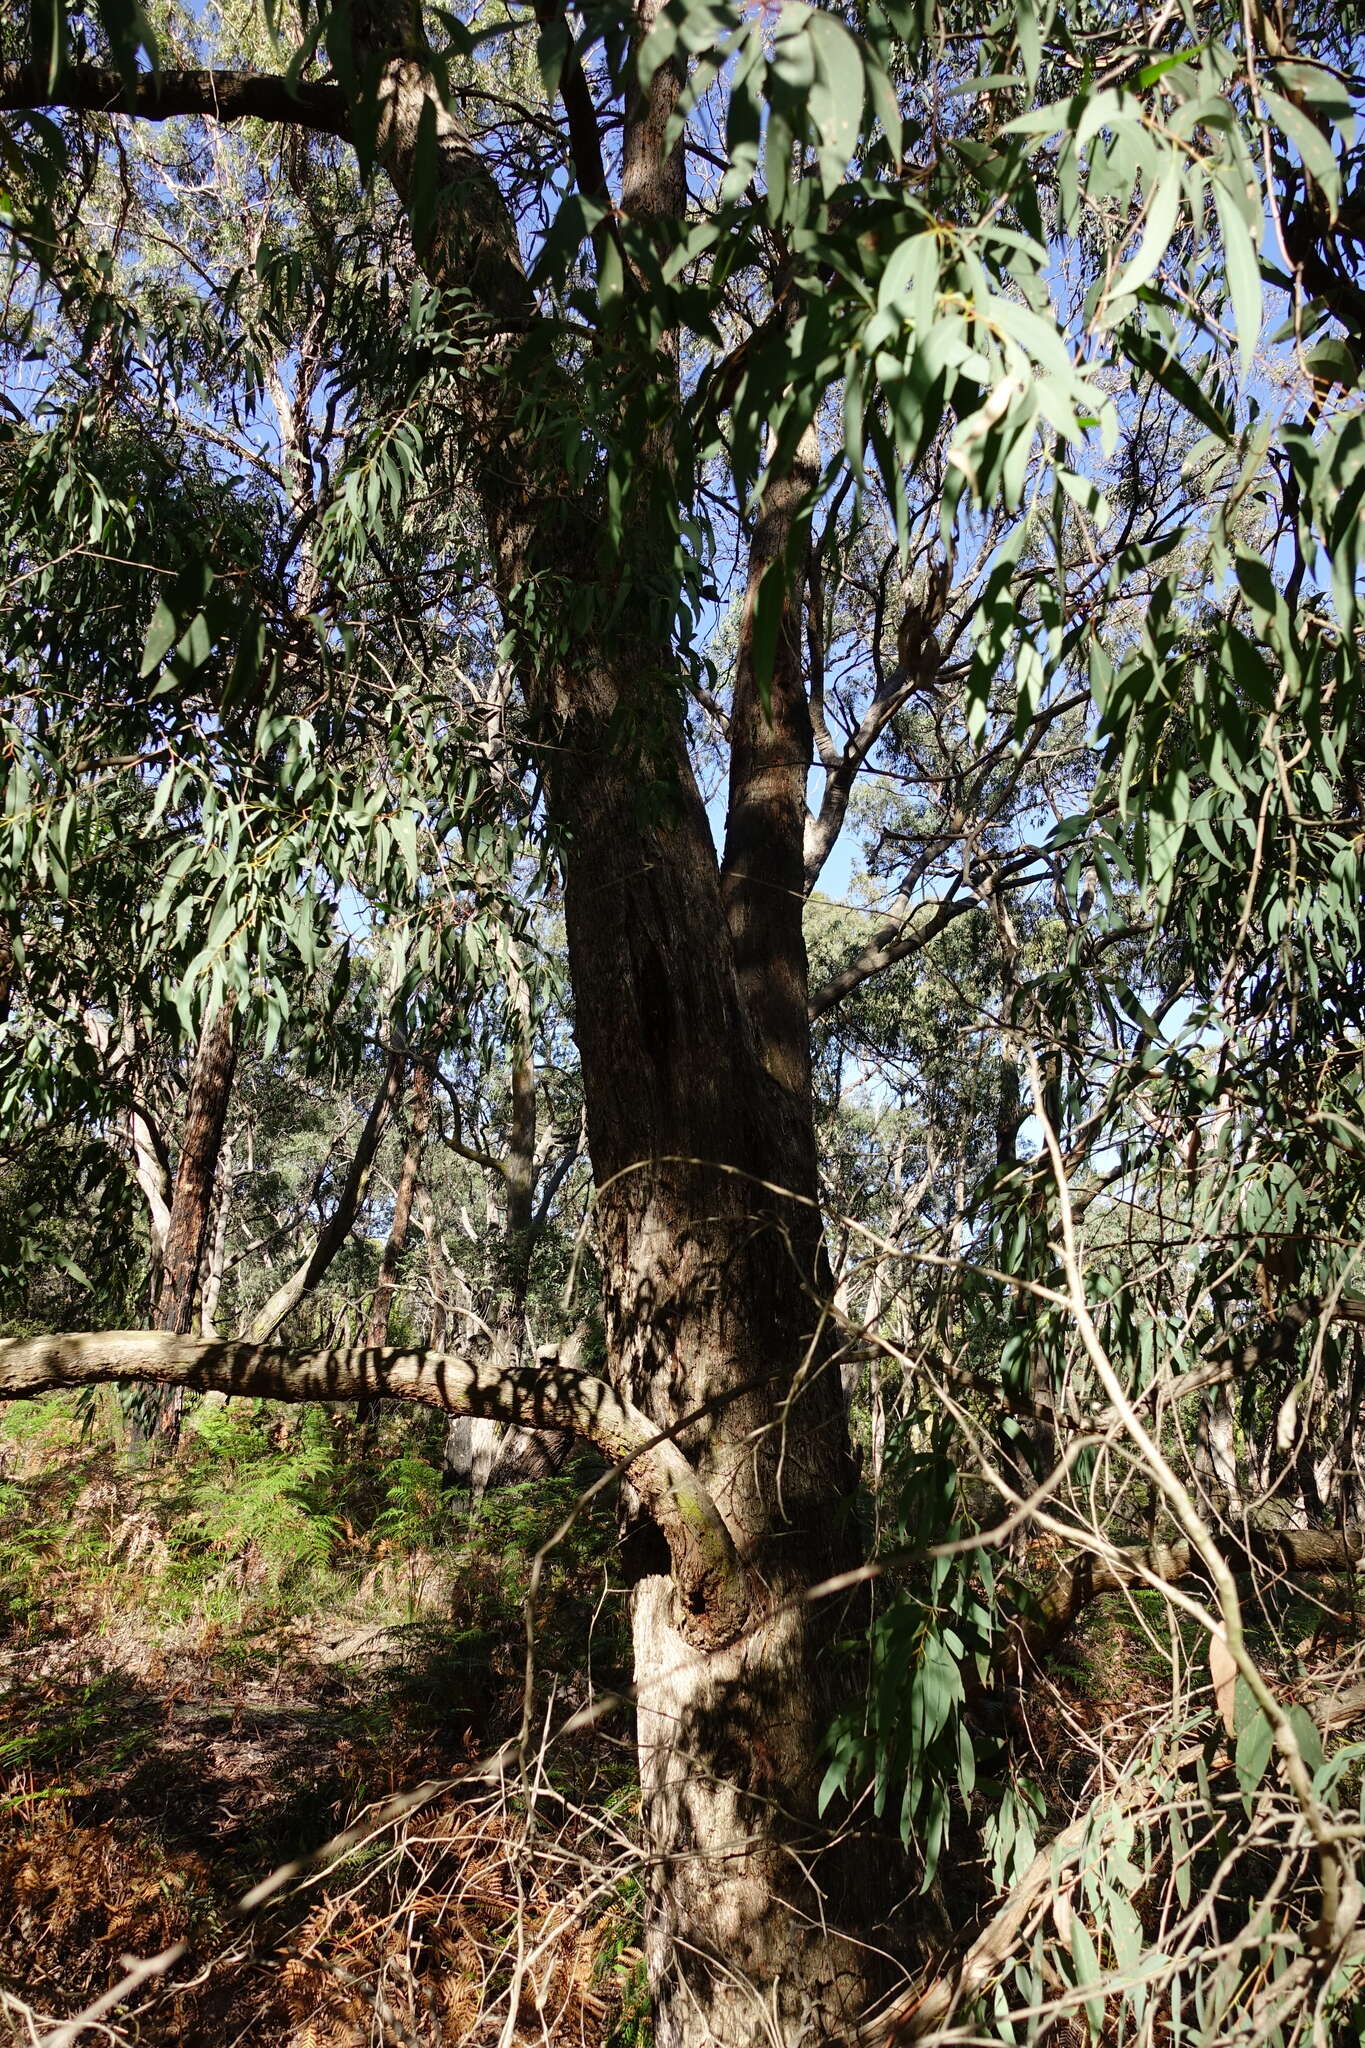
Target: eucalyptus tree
998, 275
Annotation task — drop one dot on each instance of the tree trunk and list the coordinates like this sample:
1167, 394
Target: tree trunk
700, 1131
192, 1200
337, 1227
713, 1292
501, 1456
690, 1000
1033, 1455
212, 1288
381, 1308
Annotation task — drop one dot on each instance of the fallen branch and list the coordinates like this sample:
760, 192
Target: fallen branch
926, 2009
709, 1577
1284, 1552
138, 1974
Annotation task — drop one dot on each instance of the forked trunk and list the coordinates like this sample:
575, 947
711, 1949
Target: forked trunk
715, 1280
699, 1121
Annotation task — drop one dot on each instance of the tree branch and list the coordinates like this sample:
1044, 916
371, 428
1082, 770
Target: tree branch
706, 1568
163, 95
585, 138
909, 929
842, 767
897, 940
337, 1228
1285, 1552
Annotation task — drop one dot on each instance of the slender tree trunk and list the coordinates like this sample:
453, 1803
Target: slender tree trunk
437, 1284
1031, 1389
1218, 1428
337, 1227
381, 1308
212, 1287
499, 1455
192, 1198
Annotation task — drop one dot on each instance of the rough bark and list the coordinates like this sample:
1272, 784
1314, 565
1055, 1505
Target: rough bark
712, 1290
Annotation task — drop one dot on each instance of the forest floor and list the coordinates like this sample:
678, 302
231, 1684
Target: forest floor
194, 1693
290, 1646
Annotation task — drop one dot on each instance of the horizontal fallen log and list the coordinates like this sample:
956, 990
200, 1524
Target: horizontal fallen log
711, 1581
1283, 1553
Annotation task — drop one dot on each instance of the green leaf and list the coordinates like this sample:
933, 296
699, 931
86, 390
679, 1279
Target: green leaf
1330, 361
1243, 273
1163, 211
405, 837
552, 47
1155, 360
793, 62
1088, 1974
911, 275
1029, 33
1316, 152
1254, 1745
1322, 90
573, 223
1309, 1739
885, 105
1150, 73
837, 96
129, 32
161, 636
47, 35
195, 643
1100, 110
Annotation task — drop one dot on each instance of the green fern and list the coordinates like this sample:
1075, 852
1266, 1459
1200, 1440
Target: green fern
249, 1498
416, 1511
